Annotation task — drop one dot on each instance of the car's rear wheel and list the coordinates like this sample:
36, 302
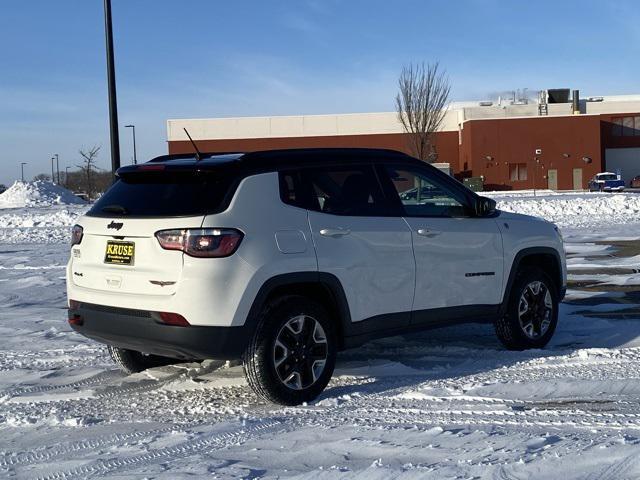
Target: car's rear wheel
131, 361
532, 311
291, 357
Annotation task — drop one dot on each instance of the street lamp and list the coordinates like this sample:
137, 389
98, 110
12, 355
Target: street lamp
66, 177
133, 128
57, 167
22, 169
53, 178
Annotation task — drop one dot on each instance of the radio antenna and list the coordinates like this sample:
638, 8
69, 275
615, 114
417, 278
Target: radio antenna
195, 147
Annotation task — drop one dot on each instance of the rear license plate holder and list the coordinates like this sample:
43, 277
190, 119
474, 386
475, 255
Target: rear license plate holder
119, 253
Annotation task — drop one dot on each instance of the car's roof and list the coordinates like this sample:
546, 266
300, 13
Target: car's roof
605, 173
275, 159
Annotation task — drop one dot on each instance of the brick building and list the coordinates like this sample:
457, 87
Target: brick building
512, 145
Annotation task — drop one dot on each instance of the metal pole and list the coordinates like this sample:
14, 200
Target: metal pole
111, 80
66, 177
135, 158
22, 169
58, 167
53, 177
535, 174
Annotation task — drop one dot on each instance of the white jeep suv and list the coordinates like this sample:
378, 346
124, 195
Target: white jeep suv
283, 258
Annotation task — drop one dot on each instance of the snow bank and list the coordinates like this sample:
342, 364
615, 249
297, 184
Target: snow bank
576, 209
39, 224
37, 194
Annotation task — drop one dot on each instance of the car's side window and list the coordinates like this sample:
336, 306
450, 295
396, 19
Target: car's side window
423, 195
348, 190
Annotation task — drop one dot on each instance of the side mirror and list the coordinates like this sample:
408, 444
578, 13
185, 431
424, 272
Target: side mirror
485, 206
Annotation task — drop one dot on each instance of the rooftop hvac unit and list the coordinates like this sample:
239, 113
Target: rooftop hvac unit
558, 95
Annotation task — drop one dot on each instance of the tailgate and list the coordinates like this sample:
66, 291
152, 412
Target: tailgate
138, 264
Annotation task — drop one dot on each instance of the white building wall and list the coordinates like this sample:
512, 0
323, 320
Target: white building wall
373, 123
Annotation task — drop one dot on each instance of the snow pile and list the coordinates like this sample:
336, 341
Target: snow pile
39, 224
576, 210
37, 194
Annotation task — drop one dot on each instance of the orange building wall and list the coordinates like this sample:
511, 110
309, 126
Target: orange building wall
446, 144
482, 148
490, 146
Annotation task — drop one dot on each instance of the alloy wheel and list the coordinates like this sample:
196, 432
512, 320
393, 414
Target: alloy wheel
535, 309
300, 352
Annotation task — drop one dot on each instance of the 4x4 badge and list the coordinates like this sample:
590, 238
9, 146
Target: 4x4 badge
115, 225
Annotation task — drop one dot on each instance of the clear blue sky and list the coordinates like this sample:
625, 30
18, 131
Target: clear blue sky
207, 58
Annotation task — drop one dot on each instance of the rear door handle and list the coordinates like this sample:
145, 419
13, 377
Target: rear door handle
425, 232
334, 232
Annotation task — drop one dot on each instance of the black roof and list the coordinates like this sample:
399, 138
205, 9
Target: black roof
276, 159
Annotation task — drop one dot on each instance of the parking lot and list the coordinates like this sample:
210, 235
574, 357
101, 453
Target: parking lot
448, 402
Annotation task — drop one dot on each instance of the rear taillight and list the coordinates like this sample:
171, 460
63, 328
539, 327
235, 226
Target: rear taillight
201, 242
76, 235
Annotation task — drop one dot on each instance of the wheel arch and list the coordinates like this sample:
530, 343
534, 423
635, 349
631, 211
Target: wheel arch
546, 258
324, 288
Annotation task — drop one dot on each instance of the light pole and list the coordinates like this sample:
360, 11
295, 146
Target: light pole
111, 81
66, 177
53, 178
133, 128
57, 167
22, 169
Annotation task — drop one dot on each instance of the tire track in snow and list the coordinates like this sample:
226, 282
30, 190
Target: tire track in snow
288, 419
221, 440
127, 388
98, 378
470, 416
45, 454
616, 471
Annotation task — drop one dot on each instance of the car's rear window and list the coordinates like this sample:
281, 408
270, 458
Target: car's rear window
165, 195
608, 177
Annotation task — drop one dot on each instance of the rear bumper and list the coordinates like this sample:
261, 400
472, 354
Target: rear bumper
138, 330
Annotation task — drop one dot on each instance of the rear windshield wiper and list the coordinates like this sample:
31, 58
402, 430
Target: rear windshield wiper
115, 209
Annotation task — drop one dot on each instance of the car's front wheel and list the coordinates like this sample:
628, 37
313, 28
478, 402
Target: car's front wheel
292, 354
532, 311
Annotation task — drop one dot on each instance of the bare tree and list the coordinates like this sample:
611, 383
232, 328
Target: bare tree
42, 177
88, 167
421, 104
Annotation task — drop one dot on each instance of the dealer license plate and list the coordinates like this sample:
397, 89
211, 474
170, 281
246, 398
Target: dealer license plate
120, 253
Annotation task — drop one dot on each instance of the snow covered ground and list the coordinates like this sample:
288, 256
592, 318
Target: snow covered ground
448, 403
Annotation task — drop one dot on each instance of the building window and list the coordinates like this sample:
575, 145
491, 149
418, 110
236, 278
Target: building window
517, 172
626, 126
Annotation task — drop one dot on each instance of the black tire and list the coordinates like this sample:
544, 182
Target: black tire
259, 359
510, 329
131, 361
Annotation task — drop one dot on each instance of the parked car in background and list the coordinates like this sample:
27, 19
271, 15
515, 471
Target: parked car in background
606, 182
83, 195
635, 182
